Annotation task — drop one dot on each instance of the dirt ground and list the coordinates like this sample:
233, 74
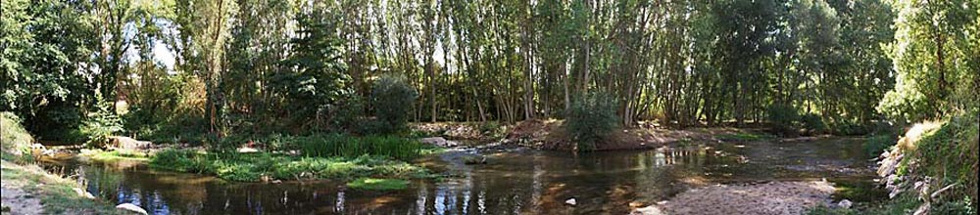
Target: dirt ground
16, 201
773, 198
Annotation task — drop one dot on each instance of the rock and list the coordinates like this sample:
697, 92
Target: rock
648, 210
845, 204
83, 193
122, 142
246, 149
438, 141
474, 159
571, 201
131, 208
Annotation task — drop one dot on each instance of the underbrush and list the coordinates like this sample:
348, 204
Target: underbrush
252, 167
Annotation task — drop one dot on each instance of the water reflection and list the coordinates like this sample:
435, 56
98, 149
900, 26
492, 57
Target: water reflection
514, 182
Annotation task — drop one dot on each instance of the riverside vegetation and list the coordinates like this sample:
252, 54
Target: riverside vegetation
327, 89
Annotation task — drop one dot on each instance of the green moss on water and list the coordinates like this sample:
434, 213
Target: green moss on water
378, 184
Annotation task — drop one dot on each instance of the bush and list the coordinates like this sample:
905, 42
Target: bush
14, 139
878, 144
591, 120
392, 98
99, 125
783, 118
812, 123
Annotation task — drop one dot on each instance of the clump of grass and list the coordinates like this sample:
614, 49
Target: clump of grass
258, 166
339, 145
378, 184
115, 155
743, 136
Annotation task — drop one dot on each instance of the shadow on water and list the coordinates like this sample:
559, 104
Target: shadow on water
514, 181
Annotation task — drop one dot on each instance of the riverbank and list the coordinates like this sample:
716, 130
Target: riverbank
775, 198
28, 189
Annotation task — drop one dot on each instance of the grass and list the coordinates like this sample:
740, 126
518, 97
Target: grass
115, 155
57, 194
253, 167
744, 136
378, 184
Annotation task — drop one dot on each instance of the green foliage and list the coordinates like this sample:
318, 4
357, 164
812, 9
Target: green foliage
591, 120
258, 166
13, 137
378, 184
812, 122
338, 145
877, 144
950, 155
391, 99
783, 118
98, 126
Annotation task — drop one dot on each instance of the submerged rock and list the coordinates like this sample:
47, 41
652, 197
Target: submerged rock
571, 201
131, 208
439, 141
474, 159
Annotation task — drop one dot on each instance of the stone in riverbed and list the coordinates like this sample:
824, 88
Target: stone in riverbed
131, 208
474, 159
438, 141
845, 204
571, 201
122, 142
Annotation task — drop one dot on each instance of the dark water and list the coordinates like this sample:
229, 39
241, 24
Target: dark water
515, 181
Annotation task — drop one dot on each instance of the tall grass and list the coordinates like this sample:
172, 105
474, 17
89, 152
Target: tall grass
339, 145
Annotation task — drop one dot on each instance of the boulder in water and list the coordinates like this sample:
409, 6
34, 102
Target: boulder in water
571, 201
438, 141
131, 208
122, 142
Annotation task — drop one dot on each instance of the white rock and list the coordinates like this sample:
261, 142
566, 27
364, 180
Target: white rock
845, 203
571, 201
131, 207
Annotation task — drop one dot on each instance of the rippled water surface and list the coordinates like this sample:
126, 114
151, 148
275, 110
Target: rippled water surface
515, 181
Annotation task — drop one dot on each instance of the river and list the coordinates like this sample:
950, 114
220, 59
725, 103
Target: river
514, 181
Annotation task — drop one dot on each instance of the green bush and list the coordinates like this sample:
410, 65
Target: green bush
99, 125
591, 120
391, 99
783, 118
875, 145
813, 123
14, 139
950, 155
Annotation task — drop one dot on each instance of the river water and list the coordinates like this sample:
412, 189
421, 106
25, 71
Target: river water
515, 181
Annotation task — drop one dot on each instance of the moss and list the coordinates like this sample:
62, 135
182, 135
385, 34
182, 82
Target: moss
57, 194
378, 184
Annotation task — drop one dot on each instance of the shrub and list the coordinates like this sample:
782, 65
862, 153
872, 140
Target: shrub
99, 125
13, 137
813, 123
878, 144
391, 98
591, 120
782, 118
